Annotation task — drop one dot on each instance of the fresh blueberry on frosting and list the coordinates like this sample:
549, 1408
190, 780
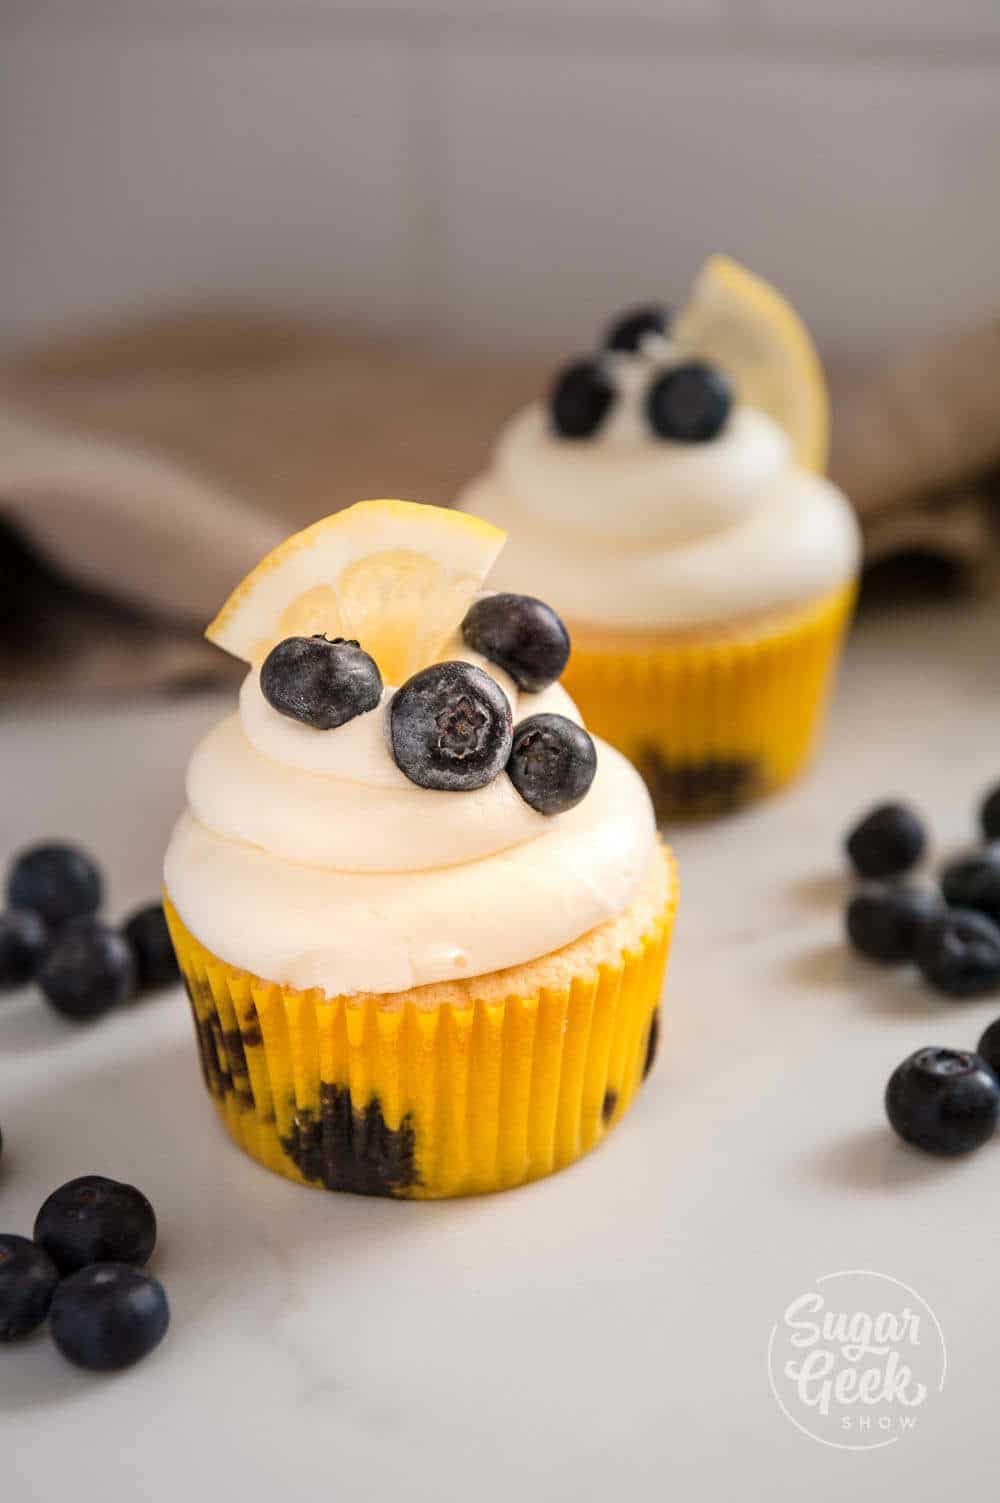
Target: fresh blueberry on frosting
450, 727
581, 399
552, 763
322, 681
689, 403
629, 329
522, 635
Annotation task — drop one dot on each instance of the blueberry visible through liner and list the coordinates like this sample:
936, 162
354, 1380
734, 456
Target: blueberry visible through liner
689, 403
28, 1278
581, 398
885, 925
629, 329
944, 1101
321, 681
88, 969
450, 727
886, 842
552, 763
146, 931
59, 882
522, 635
959, 953
96, 1220
108, 1316
973, 881
23, 938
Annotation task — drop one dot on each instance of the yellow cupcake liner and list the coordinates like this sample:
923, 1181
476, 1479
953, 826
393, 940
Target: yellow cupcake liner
382, 1097
712, 723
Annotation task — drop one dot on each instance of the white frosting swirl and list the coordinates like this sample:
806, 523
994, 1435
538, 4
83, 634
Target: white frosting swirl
308, 858
628, 530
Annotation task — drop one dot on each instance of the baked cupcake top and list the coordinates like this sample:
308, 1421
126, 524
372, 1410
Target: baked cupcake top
370, 834
668, 480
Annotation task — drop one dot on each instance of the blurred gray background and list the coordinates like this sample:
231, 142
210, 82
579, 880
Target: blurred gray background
491, 173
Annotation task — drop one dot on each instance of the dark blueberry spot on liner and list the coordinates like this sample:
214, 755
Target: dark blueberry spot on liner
608, 1105
353, 1150
652, 1043
716, 785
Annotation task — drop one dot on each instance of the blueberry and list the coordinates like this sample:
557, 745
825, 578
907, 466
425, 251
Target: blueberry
59, 882
108, 1316
88, 969
989, 1046
581, 398
989, 814
552, 763
28, 1278
959, 953
627, 331
689, 403
147, 933
322, 681
974, 882
522, 635
96, 1220
885, 925
887, 842
22, 944
943, 1100
451, 727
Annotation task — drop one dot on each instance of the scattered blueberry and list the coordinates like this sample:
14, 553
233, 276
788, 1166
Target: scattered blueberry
973, 881
629, 329
451, 727
552, 763
322, 681
959, 953
23, 937
989, 814
28, 1278
581, 398
689, 403
59, 882
522, 635
885, 925
989, 1046
96, 1220
887, 842
155, 960
108, 1316
943, 1100
88, 969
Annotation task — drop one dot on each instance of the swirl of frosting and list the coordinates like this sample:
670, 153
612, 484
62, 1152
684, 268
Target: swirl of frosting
629, 530
307, 856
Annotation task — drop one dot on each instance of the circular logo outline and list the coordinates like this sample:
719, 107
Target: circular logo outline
841, 1273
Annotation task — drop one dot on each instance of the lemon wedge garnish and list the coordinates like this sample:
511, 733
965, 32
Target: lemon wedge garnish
395, 575
739, 322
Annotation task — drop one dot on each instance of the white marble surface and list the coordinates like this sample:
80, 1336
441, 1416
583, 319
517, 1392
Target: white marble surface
598, 1335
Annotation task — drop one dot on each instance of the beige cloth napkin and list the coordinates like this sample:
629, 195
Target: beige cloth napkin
144, 469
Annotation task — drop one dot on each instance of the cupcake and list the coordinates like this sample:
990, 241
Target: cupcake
422, 916
668, 500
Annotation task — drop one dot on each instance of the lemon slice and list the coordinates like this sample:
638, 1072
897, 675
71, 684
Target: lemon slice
741, 324
396, 575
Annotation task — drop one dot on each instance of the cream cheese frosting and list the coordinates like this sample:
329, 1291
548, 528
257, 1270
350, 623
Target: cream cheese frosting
307, 857
629, 530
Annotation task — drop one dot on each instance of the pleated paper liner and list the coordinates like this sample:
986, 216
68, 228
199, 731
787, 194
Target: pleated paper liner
367, 1095
712, 724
